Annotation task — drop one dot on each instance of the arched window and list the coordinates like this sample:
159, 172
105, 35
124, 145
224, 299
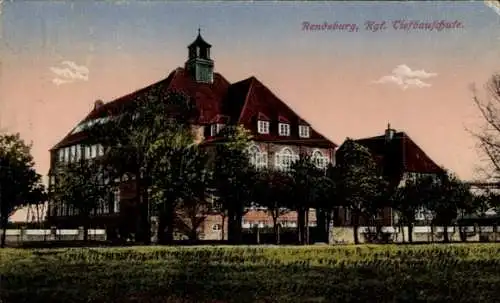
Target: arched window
217, 227
285, 158
319, 160
257, 158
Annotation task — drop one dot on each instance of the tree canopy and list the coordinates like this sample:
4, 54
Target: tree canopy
20, 184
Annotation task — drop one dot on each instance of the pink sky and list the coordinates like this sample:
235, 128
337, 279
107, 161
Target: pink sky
331, 86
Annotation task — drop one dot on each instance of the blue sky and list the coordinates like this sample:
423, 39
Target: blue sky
149, 26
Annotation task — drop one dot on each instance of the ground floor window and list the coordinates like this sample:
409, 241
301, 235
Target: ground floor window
319, 160
285, 159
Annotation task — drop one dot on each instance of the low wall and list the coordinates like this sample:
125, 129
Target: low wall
35, 235
345, 235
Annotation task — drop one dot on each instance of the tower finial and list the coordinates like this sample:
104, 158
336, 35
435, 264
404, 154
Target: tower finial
388, 125
199, 31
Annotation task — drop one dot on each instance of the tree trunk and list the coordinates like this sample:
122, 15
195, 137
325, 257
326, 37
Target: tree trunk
410, 232
146, 226
495, 232
223, 227
356, 237
355, 218
143, 232
463, 234
306, 215
162, 225
4, 222
169, 224
238, 228
300, 226
328, 223
230, 225
432, 232
276, 229
445, 234
193, 235
321, 225
402, 229
86, 229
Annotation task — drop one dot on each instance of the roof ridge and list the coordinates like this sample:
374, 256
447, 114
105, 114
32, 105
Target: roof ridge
421, 150
250, 86
254, 79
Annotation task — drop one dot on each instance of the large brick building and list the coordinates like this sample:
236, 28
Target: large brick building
279, 134
399, 158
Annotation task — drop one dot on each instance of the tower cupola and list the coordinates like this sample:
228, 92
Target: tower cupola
199, 64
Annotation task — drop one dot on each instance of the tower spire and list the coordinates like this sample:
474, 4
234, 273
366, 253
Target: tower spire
199, 64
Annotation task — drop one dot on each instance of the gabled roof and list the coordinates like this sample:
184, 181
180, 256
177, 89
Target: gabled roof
251, 99
404, 153
206, 95
218, 102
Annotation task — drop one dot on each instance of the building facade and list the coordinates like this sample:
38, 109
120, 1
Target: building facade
279, 134
399, 159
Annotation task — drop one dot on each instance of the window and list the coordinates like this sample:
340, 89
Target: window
263, 127
304, 131
257, 158
73, 153
86, 154
66, 154
220, 127
216, 227
78, 152
284, 129
93, 151
60, 154
65, 209
319, 160
215, 129
100, 150
285, 159
105, 206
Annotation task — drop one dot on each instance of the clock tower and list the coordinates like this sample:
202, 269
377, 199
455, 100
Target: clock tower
199, 65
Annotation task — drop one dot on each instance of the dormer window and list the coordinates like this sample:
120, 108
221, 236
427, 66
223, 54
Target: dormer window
263, 127
304, 131
216, 128
284, 129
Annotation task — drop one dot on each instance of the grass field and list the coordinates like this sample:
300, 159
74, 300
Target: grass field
420, 273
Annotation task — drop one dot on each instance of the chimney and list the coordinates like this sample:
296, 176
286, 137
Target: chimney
389, 133
98, 103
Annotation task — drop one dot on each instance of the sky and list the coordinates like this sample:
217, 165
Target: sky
58, 57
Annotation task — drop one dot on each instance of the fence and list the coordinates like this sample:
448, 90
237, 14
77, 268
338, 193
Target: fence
386, 234
19, 236
419, 234
338, 235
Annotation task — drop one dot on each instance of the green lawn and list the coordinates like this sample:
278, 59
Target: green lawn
420, 273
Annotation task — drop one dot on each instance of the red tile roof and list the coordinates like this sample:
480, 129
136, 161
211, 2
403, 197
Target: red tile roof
401, 153
253, 99
219, 102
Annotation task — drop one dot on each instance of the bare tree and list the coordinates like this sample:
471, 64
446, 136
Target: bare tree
489, 136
